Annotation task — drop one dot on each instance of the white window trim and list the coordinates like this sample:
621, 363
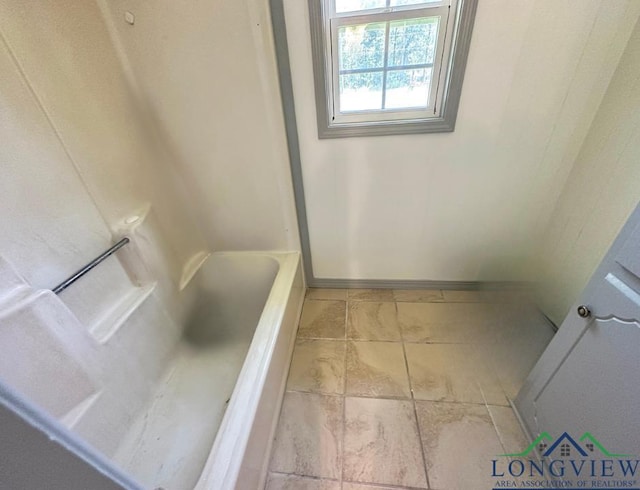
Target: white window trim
458, 29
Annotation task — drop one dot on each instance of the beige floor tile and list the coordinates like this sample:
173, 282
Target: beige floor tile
308, 437
373, 321
521, 338
448, 322
381, 443
323, 319
511, 363
318, 366
509, 431
459, 443
370, 295
376, 369
278, 481
522, 323
454, 373
321, 293
440, 372
418, 295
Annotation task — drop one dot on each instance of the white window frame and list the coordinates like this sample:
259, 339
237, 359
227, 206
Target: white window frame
335, 21
454, 35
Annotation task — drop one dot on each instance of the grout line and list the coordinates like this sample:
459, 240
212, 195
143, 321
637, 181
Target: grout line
422, 451
494, 371
457, 402
329, 395
307, 298
358, 395
411, 342
495, 428
344, 429
413, 403
344, 393
366, 484
431, 342
324, 393
391, 397
346, 319
328, 339
375, 340
310, 477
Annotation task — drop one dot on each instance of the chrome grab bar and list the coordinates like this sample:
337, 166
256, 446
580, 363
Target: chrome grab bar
78, 274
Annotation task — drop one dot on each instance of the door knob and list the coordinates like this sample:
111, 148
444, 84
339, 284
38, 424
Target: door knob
584, 311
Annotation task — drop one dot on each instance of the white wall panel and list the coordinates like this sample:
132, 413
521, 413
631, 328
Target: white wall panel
601, 192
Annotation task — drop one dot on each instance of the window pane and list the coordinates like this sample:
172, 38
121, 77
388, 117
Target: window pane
361, 92
408, 88
399, 3
361, 46
353, 5
413, 41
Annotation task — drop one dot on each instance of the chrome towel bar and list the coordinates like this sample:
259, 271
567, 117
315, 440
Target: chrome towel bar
78, 274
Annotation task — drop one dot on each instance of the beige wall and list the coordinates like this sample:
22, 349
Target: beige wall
600, 193
206, 72
467, 205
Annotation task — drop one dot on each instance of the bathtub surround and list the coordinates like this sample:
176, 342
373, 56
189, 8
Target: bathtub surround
362, 413
205, 73
80, 170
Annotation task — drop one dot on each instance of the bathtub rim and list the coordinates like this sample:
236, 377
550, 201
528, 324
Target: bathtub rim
223, 464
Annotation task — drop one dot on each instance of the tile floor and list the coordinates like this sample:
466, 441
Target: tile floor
404, 389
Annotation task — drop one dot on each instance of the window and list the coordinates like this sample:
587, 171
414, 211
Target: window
388, 66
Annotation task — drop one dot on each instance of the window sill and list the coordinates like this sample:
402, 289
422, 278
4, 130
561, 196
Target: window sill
386, 128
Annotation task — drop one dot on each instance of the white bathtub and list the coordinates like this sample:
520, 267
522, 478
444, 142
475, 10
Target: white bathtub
183, 392
239, 457
210, 422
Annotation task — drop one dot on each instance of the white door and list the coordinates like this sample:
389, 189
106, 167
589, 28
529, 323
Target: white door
588, 378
